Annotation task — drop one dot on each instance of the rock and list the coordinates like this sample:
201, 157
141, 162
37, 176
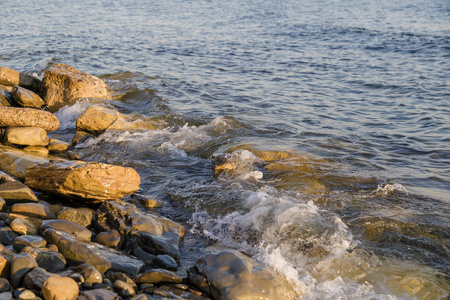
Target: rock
5, 266
102, 258
80, 216
146, 257
47, 259
13, 191
166, 262
24, 294
158, 276
2, 203
35, 210
63, 85
28, 117
99, 294
93, 182
34, 280
24, 226
141, 297
31, 136
37, 150
7, 88
16, 162
96, 119
263, 154
60, 288
231, 275
73, 155
111, 238
6, 296
27, 98
11, 77
123, 289
7, 236
146, 201
114, 276
28, 240
73, 229
20, 265
90, 274
57, 146
4, 285
6, 98
80, 136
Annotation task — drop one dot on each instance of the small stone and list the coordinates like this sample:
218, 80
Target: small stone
28, 136
98, 294
4, 285
166, 262
80, 216
23, 227
6, 98
37, 150
60, 288
27, 98
78, 278
6, 296
28, 240
111, 238
10, 77
51, 261
7, 236
114, 276
158, 276
151, 203
73, 155
23, 294
140, 297
123, 289
52, 247
35, 210
57, 146
90, 274
5, 266
96, 119
80, 136
21, 264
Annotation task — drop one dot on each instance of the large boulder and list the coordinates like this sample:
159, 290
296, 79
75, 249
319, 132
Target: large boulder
77, 251
28, 117
63, 85
29, 136
11, 77
92, 182
231, 275
27, 98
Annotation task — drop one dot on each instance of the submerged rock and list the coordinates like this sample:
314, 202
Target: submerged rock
28, 117
27, 98
63, 85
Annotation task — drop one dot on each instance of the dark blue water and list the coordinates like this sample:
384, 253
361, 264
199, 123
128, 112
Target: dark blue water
358, 89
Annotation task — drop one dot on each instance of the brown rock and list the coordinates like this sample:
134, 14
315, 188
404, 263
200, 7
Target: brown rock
28, 117
90, 274
24, 226
37, 150
35, 210
14, 191
6, 98
73, 229
57, 146
80, 216
60, 288
158, 276
15, 161
99, 294
7, 88
5, 266
34, 280
28, 240
63, 85
111, 239
10, 77
27, 98
96, 119
94, 182
31, 136
20, 265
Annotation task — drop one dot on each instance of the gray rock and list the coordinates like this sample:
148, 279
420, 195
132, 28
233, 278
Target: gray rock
21, 264
158, 276
76, 230
51, 261
6, 296
4, 285
7, 236
34, 279
28, 240
166, 262
98, 294
146, 257
27, 98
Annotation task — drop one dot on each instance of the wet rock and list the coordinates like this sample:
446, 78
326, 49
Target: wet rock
73, 155
6, 98
16, 162
99, 294
47, 259
63, 85
5, 266
4, 285
11, 77
28, 240
60, 288
90, 274
166, 262
123, 289
146, 257
81, 216
231, 275
95, 182
57, 146
37, 150
141, 297
73, 229
2, 203
13, 191
111, 238
24, 226
158, 276
24, 294
80, 136
114, 276
35, 210
96, 119
27, 98
28, 117
7, 88
263, 154
34, 280
7, 253
31, 136
20, 265
102, 258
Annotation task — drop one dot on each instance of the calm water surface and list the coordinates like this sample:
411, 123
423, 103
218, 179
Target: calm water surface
356, 91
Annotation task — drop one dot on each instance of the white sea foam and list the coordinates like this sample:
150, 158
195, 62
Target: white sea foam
390, 188
68, 115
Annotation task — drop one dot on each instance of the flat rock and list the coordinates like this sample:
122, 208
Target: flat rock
158, 276
77, 251
15, 161
27, 98
80, 216
37, 150
28, 240
28, 117
63, 85
31, 136
92, 182
20, 265
57, 146
60, 288
10, 77
14, 191
35, 210
73, 229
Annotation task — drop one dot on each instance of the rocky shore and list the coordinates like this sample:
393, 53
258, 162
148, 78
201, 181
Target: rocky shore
66, 230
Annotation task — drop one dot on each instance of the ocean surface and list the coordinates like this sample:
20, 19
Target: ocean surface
356, 92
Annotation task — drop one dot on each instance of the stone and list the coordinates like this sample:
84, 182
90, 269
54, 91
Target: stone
37, 150
27, 98
7, 235
263, 154
20, 265
35, 210
90, 274
34, 280
73, 155
2, 203
111, 238
96, 119
77, 251
47, 259
6, 296
11, 77
80, 136
13, 191
115, 276
123, 289
81, 216
229, 274
91, 182
24, 294
57, 146
28, 240
146, 257
98, 294
73, 229
5, 266
60, 288
16, 162
63, 85
7, 88
28, 117
30, 136
166, 262
4, 285
158, 276
6, 98
140, 297
24, 226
